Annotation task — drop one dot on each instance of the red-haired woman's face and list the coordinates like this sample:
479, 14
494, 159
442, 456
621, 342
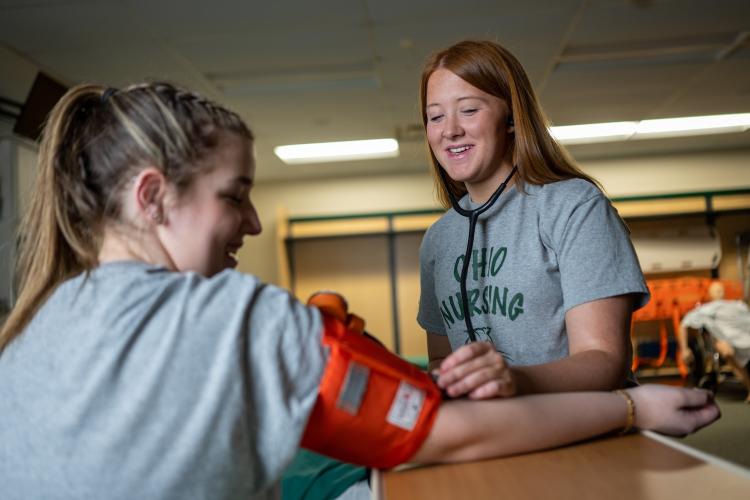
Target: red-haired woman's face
468, 131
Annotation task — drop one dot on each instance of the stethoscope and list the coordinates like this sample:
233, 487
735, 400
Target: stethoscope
473, 216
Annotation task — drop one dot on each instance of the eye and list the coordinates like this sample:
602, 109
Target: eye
235, 200
435, 118
469, 111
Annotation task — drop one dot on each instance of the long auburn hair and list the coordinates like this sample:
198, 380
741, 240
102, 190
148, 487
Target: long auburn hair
493, 69
94, 141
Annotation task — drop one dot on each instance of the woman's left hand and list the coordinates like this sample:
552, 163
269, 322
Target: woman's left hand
477, 371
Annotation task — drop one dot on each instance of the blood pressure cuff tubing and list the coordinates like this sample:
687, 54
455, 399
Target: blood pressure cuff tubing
373, 408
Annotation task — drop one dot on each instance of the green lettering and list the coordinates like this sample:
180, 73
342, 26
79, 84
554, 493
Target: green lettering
457, 268
495, 266
446, 314
486, 299
500, 302
459, 313
516, 306
473, 297
477, 263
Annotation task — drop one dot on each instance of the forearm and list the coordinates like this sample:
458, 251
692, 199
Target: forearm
467, 430
591, 370
682, 337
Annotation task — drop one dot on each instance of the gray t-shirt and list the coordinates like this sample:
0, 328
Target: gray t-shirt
535, 256
142, 383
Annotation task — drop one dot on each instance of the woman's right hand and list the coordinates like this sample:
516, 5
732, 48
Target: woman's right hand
477, 371
673, 410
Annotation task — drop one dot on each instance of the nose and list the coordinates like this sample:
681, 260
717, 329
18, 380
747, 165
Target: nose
451, 127
251, 222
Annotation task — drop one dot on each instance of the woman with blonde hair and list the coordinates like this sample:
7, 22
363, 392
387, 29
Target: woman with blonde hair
138, 364
529, 280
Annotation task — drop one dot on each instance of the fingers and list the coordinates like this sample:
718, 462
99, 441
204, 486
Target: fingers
487, 381
478, 371
503, 387
693, 419
700, 408
464, 354
469, 359
706, 415
687, 356
696, 398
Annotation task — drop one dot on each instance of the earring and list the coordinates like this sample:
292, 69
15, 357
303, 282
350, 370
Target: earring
155, 214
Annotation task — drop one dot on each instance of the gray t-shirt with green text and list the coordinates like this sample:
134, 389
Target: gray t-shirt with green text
534, 257
140, 383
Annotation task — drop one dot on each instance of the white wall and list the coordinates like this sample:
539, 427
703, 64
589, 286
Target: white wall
677, 173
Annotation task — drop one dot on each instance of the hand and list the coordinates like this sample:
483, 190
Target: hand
476, 370
687, 356
335, 305
673, 410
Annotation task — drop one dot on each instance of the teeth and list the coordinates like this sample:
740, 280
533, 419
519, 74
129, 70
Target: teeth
459, 149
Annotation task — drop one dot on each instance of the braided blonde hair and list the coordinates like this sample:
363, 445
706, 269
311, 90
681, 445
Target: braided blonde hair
96, 140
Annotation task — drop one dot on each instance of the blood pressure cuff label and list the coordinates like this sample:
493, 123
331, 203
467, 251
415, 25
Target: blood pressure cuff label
373, 408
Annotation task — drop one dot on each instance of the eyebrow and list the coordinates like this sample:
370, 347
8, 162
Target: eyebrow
244, 180
460, 99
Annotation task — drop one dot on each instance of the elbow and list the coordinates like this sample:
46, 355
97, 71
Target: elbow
611, 369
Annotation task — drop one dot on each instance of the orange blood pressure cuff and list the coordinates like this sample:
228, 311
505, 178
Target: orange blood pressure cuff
373, 408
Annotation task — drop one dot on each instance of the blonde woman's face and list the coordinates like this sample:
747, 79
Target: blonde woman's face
468, 132
207, 223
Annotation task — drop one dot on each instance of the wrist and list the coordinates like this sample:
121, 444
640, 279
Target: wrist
630, 411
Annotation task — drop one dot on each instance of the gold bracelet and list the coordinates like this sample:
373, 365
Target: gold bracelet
631, 411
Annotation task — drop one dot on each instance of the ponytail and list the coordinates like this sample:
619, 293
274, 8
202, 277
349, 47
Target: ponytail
94, 142
54, 239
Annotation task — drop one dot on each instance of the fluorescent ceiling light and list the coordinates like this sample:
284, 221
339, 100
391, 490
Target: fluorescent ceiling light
694, 125
594, 132
651, 129
337, 151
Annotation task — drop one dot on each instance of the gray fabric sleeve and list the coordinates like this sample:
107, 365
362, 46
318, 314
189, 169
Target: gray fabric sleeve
595, 255
286, 363
254, 343
428, 315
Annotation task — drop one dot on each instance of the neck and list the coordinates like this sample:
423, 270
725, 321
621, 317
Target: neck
482, 191
119, 245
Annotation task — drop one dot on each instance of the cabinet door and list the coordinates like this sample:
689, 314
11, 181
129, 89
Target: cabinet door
354, 266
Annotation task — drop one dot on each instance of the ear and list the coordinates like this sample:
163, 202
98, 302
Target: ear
150, 189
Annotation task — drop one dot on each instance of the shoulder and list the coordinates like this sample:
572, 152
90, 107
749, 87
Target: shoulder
438, 230
169, 289
560, 203
566, 193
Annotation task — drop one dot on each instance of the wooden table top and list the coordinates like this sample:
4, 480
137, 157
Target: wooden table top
639, 466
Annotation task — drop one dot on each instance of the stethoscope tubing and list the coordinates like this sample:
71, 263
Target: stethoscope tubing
473, 216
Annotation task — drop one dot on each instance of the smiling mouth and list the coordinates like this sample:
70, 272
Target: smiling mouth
458, 149
231, 254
